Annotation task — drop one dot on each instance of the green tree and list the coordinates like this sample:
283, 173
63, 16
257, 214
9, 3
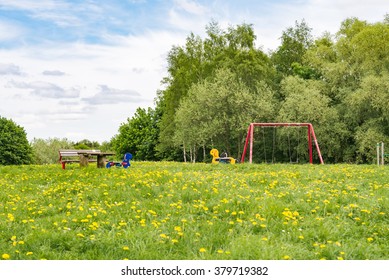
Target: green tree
304, 102
86, 144
46, 151
368, 112
295, 41
139, 135
14, 146
199, 59
184, 69
217, 111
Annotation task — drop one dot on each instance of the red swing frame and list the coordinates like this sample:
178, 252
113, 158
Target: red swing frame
250, 139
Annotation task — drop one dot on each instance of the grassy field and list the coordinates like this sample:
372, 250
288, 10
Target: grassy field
194, 211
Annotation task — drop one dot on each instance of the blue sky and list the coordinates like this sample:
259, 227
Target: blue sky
78, 69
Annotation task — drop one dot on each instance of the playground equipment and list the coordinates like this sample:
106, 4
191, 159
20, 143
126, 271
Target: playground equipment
311, 137
381, 154
124, 163
221, 159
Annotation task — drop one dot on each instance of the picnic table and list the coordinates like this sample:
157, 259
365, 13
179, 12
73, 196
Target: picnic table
83, 157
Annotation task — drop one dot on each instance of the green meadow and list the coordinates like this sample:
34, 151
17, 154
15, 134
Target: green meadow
166, 210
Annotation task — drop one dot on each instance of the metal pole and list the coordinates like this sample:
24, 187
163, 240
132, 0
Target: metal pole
245, 144
310, 144
251, 142
378, 154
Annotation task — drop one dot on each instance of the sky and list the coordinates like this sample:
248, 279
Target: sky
79, 69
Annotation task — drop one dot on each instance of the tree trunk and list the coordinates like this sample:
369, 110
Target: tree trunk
184, 154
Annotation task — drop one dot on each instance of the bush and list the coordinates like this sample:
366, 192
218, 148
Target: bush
14, 146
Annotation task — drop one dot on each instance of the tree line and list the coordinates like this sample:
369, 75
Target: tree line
215, 86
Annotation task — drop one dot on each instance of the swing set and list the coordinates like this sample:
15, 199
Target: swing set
311, 138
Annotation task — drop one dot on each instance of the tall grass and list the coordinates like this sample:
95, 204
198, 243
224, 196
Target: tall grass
194, 211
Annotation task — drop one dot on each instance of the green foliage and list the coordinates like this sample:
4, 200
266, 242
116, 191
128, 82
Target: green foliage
338, 83
222, 117
304, 102
199, 60
86, 144
14, 146
46, 151
295, 41
139, 135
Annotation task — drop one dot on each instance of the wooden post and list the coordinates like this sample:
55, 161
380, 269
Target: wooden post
84, 160
382, 153
101, 160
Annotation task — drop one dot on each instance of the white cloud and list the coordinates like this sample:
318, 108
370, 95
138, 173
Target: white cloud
10, 31
108, 95
190, 7
45, 89
53, 73
9, 69
32, 5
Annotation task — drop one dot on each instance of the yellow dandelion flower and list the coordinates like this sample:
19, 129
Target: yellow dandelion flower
5, 256
202, 250
174, 241
29, 253
301, 236
126, 248
177, 228
370, 239
286, 257
264, 239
